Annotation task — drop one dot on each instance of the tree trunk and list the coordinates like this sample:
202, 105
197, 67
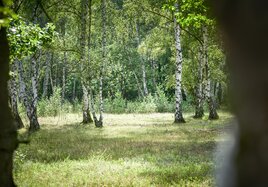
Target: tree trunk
244, 27
12, 84
209, 94
50, 73
34, 124
74, 90
154, 74
30, 109
104, 61
178, 73
64, 76
86, 114
199, 109
143, 68
46, 79
98, 123
8, 133
141, 93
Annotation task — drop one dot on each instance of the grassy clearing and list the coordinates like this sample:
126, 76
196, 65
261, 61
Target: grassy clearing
131, 150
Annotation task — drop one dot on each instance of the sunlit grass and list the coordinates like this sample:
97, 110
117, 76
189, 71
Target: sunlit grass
131, 150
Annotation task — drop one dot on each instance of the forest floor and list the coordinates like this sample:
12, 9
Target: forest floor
131, 150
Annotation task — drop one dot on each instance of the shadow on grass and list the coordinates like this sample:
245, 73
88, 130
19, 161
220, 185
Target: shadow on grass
78, 143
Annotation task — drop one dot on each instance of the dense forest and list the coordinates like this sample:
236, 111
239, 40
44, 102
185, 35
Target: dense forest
117, 65
114, 56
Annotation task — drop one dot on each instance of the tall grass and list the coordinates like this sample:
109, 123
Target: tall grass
131, 150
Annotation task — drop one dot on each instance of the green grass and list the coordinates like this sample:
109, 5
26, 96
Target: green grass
131, 150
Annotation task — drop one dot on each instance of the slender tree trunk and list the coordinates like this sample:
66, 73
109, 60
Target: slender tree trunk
74, 90
46, 79
30, 110
99, 123
86, 114
64, 75
154, 74
220, 94
199, 109
141, 93
12, 84
178, 73
34, 124
143, 67
50, 73
209, 94
92, 107
8, 133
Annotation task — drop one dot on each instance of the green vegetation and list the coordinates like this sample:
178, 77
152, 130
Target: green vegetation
141, 65
131, 150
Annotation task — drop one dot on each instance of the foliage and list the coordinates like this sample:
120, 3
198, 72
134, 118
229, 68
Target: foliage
25, 38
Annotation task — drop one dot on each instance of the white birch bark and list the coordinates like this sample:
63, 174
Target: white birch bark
208, 93
46, 79
30, 109
12, 85
199, 110
178, 72
143, 67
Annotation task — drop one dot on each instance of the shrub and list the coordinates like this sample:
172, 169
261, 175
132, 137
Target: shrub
162, 103
116, 105
51, 106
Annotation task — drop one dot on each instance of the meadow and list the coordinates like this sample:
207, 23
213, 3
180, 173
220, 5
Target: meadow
131, 150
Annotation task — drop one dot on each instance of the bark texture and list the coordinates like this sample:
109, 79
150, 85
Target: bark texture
47, 74
30, 106
86, 114
199, 109
143, 67
13, 94
8, 133
208, 93
178, 72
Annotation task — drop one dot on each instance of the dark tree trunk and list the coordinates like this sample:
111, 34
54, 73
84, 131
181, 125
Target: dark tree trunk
8, 133
244, 26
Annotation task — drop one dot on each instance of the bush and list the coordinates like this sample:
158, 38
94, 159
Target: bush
147, 105
162, 103
54, 105
51, 106
116, 105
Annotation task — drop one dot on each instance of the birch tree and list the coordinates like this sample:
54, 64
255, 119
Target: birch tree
13, 94
208, 93
86, 113
178, 69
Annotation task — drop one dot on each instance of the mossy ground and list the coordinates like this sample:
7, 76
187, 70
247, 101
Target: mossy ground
131, 150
